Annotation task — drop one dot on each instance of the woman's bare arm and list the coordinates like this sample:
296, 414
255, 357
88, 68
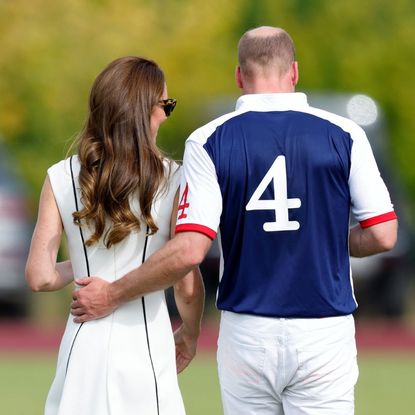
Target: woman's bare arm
189, 294
41, 274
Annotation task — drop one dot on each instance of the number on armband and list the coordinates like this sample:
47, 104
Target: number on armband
280, 204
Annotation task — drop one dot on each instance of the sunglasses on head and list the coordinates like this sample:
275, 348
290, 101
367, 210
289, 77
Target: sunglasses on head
168, 105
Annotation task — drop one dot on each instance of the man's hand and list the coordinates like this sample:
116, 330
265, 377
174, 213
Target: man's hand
185, 347
92, 300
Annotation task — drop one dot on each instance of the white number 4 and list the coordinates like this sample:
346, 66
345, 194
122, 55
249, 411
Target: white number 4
280, 204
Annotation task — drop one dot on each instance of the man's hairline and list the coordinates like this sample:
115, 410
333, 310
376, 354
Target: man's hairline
249, 34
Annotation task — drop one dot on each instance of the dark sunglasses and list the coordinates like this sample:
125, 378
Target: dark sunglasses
168, 105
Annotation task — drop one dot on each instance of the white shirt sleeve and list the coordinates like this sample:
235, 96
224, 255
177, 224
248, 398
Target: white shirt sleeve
200, 202
370, 199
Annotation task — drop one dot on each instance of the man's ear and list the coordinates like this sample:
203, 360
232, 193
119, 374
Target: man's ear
238, 77
294, 73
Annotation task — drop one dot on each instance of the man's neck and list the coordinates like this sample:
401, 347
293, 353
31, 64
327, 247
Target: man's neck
267, 87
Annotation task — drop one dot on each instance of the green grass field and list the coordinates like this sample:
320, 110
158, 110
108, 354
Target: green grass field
385, 385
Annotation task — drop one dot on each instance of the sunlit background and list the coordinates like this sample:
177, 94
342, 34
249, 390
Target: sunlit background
356, 58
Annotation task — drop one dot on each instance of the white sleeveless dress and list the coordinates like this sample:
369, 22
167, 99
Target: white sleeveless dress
124, 363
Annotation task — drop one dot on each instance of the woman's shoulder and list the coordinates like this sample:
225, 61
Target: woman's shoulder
171, 167
67, 167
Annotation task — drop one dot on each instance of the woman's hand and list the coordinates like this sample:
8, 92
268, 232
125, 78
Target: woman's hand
186, 343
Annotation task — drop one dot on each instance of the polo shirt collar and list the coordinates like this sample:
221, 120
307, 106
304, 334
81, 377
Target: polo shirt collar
272, 102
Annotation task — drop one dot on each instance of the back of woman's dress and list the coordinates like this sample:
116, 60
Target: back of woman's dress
124, 363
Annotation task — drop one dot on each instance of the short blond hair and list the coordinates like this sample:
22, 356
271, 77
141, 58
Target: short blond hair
264, 49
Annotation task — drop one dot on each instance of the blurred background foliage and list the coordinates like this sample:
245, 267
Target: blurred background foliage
52, 51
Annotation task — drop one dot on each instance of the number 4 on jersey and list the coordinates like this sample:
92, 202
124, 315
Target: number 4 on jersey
280, 204
184, 204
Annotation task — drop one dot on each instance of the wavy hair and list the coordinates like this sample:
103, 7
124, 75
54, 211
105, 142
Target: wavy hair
118, 155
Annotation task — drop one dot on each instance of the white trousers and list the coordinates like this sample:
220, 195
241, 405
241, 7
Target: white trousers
273, 366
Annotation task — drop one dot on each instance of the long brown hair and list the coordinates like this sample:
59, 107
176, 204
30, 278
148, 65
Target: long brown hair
118, 155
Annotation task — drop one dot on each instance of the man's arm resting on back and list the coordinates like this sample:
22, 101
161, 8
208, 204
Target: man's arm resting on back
178, 257
374, 239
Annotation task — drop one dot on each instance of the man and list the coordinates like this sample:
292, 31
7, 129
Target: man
276, 179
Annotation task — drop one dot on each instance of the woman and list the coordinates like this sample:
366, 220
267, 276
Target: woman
114, 200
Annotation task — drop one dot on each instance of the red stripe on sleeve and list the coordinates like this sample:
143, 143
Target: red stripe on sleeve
194, 227
378, 219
